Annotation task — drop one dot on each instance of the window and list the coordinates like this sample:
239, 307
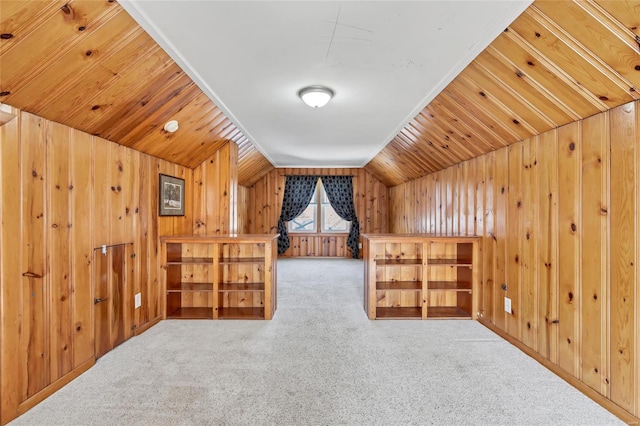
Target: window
319, 217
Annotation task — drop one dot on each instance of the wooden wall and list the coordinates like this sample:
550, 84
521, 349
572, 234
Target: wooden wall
215, 191
65, 193
243, 210
265, 203
559, 214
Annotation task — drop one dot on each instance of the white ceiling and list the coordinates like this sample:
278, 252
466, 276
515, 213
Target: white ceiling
385, 61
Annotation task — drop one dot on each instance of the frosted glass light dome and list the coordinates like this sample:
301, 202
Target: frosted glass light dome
316, 96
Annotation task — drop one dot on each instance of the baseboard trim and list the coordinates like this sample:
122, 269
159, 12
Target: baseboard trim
138, 331
28, 404
606, 403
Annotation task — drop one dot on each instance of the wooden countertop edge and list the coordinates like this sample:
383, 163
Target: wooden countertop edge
218, 238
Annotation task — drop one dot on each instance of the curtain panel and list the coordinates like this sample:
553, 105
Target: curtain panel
298, 191
339, 191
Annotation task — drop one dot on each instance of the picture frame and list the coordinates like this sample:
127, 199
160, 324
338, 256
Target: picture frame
171, 196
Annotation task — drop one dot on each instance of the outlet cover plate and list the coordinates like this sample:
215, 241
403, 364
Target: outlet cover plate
507, 305
138, 300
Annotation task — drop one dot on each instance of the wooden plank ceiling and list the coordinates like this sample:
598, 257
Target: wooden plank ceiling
89, 65
559, 62
99, 72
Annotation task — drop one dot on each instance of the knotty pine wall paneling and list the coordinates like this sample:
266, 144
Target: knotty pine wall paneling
10, 268
595, 256
569, 187
243, 209
547, 254
34, 303
561, 232
514, 239
528, 248
265, 203
501, 190
624, 257
215, 194
65, 193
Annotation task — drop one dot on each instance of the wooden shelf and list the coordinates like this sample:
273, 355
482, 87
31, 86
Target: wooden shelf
191, 313
450, 312
185, 287
223, 276
399, 313
449, 286
191, 261
241, 260
450, 262
401, 262
241, 287
241, 313
399, 285
406, 276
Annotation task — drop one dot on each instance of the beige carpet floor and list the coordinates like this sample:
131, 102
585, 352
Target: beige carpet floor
320, 361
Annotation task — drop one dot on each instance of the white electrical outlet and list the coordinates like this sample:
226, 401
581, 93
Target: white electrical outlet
507, 305
138, 300
359, 245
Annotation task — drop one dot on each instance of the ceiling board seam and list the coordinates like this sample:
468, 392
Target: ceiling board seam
448, 102
502, 107
419, 153
429, 128
470, 132
458, 94
611, 23
430, 148
515, 94
583, 51
557, 71
409, 133
492, 51
460, 140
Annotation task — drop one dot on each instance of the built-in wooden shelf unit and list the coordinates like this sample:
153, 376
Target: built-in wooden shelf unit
219, 277
420, 276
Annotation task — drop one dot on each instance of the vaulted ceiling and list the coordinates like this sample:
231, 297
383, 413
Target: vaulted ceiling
89, 65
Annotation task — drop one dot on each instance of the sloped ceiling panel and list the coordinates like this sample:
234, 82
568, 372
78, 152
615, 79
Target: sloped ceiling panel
99, 72
559, 62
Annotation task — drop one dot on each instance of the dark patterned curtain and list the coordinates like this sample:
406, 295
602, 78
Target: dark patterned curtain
298, 191
339, 191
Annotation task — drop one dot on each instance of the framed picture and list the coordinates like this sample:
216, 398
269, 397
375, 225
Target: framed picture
171, 196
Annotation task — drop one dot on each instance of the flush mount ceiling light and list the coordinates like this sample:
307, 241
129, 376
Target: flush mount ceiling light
315, 96
171, 126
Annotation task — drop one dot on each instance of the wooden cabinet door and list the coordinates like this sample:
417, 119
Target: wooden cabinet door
110, 301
